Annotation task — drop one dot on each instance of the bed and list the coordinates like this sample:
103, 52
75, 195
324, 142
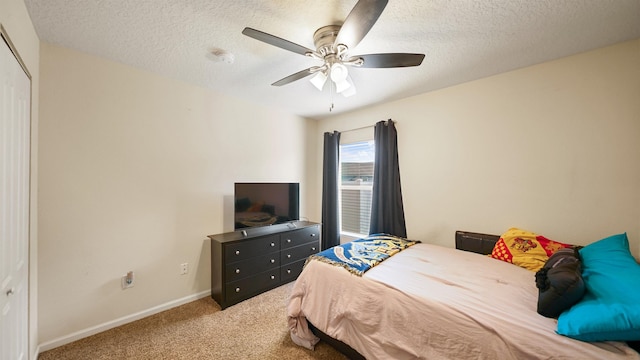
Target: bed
433, 302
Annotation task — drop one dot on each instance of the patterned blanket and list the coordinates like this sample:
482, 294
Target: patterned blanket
361, 255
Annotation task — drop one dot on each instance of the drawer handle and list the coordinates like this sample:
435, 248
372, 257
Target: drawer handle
313, 248
288, 256
237, 271
313, 235
237, 252
237, 289
288, 271
273, 244
273, 261
288, 240
273, 277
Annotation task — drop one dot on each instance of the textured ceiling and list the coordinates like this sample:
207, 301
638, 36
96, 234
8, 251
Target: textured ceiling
463, 40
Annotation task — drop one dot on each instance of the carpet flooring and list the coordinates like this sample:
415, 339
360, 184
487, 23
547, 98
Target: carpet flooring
253, 329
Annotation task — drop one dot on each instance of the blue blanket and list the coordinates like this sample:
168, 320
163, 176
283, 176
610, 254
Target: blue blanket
361, 255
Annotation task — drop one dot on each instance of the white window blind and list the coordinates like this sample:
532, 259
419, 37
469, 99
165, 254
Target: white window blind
356, 174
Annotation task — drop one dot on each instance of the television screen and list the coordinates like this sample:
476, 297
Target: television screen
263, 204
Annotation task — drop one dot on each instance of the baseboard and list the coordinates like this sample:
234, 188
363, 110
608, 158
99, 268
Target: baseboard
118, 322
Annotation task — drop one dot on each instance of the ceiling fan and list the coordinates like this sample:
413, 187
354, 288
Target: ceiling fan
333, 44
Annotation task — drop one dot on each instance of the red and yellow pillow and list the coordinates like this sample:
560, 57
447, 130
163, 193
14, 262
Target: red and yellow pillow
525, 248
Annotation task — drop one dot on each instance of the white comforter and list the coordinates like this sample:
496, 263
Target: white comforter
432, 302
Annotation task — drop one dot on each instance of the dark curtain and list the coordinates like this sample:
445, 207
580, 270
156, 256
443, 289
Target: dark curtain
387, 212
330, 217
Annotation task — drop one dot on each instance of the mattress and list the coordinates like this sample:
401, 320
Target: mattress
433, 302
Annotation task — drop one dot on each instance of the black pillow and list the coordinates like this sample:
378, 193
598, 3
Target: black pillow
559, 283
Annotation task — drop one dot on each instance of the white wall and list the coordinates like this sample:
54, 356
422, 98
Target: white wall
17, 23
135, 171
553, 148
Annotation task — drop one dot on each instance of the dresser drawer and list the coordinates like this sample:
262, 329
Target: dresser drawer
250, 286
290, 272
241, 269
299, 237
245, 264
299, 252
243, 250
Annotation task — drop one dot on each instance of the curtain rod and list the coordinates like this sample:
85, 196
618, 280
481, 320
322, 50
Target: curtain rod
365, 127
360, 128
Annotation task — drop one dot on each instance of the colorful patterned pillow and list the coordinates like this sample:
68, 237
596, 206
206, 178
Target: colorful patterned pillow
525, 248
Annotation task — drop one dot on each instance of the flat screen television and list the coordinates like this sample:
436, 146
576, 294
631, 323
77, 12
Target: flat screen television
264, 204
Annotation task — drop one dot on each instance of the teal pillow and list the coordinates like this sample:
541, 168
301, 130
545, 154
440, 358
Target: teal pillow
610, 308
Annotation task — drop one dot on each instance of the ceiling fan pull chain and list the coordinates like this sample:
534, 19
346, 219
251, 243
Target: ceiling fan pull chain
331, 85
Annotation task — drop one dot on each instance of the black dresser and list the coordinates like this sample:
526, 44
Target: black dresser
247, 263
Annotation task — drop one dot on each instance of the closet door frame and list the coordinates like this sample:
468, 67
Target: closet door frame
15, 214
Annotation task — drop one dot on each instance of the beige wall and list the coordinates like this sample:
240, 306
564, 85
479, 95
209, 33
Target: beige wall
553, 148
135, 171
17, 23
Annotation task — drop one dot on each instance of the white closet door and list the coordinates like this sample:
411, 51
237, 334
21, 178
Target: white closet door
15, 103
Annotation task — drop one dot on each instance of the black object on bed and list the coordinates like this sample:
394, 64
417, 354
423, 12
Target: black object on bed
560, 283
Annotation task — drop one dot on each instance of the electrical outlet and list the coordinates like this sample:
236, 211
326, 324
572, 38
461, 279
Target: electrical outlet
127, 280
184, 268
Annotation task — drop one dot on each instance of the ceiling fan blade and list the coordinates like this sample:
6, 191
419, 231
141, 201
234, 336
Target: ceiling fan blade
390, 60
293, 77
276, 41
359, 21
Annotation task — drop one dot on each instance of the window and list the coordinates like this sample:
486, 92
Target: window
356, 185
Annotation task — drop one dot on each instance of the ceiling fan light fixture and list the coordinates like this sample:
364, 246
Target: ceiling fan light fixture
351, 90
342, 86
318, 80
339, 73
332, 46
